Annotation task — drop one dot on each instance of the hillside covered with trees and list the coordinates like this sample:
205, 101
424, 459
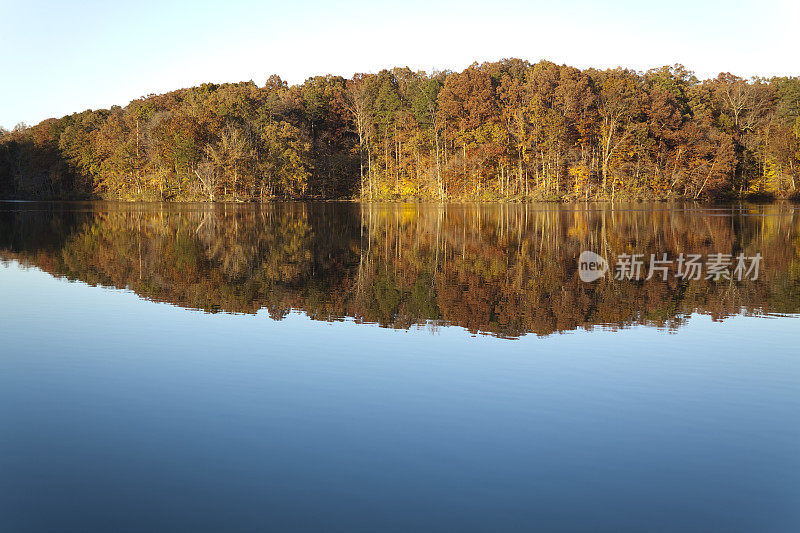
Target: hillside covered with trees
508, 130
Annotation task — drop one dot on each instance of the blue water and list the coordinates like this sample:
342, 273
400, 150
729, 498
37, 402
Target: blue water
120, 414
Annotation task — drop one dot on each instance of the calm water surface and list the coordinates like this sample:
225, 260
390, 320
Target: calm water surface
336, 367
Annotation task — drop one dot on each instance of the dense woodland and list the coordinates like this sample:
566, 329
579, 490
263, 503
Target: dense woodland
507, 130
505, 270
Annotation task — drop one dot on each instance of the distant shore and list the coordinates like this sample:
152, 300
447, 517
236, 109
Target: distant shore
504, 131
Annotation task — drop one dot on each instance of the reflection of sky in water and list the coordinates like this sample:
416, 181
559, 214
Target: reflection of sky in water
121, 414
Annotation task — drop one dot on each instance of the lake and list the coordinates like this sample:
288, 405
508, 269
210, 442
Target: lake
399, 367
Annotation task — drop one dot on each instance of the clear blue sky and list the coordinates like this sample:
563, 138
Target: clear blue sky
61, 57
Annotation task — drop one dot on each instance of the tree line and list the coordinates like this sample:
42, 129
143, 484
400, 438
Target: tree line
506, 130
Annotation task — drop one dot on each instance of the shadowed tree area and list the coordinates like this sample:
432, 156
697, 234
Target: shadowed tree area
506, 270
508, 130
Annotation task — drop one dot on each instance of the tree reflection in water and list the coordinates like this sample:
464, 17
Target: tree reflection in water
504, 269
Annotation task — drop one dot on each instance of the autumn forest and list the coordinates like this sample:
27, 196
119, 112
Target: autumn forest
507, 130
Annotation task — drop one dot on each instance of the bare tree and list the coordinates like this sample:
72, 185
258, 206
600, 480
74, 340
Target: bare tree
358, 105
230, 153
